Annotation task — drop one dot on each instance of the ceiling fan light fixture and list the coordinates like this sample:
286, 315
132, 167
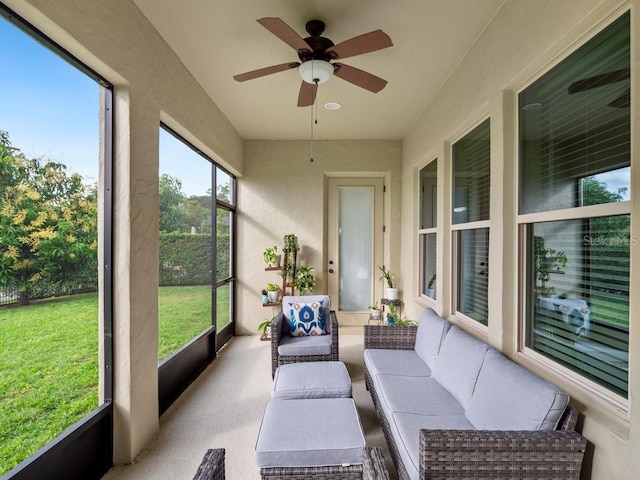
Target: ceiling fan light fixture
315, 71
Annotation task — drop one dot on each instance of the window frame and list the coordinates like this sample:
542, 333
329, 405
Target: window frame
607, 399
423, 233
457, 228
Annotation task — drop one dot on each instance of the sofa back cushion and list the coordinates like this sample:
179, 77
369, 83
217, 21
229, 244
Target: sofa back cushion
289, 300
457, 366
509, 397
431, 331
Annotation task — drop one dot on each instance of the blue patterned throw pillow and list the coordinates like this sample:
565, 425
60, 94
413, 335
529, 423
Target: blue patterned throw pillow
306, 319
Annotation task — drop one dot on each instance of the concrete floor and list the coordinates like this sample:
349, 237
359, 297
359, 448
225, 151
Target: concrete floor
223, 409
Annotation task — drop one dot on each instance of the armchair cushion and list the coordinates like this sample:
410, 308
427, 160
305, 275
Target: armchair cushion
305, 346
306, 318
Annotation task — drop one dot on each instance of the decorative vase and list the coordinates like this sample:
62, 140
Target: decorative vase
277, 261
376, 314
392, 293
273, 296
431, 293
265, 299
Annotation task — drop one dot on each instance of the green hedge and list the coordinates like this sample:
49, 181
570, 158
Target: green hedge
185, 259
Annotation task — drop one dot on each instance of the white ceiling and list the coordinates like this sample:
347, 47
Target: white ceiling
216, 39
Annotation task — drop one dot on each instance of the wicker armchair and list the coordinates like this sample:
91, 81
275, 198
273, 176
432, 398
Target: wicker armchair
305, 349
451, 454
212, 465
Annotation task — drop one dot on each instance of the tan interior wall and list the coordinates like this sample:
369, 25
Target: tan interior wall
281, 192
151, 84
522, 41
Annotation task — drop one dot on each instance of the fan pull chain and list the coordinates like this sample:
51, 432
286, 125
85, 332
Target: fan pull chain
313, 106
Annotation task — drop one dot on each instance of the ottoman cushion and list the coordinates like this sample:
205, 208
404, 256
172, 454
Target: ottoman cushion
311, 380
310, 433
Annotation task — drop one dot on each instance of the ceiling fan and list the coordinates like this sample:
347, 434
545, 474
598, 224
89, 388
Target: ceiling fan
622, 101
317, 55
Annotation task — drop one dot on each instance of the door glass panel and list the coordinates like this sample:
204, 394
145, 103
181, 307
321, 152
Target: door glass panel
355, 225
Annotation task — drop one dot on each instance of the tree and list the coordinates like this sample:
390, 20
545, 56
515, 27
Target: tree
171, 199
48, 222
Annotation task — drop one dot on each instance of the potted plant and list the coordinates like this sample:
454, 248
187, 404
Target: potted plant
431, 286
265, 297
305, 280
290, 251
392, 292
376, 313
273, 292
265, 329
394, 319
271, 257
547, 261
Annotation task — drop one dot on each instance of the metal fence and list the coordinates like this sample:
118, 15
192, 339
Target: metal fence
8, 295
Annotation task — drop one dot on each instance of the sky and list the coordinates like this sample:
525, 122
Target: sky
51, 110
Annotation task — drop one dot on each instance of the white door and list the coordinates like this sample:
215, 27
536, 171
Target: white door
355, 246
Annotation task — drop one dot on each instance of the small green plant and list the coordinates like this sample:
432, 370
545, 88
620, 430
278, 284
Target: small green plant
290, 255
432, 281
374, 306
305, 280
263, 328
269, 255
396, 320
386, 274
273, 287
263, 291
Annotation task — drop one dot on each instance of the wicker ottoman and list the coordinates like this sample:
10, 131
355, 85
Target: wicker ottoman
311, 438
311, 380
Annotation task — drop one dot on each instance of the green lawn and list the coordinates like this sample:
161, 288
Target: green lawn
49, 361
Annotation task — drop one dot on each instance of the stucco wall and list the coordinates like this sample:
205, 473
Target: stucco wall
151, 85
281, 192
524, 38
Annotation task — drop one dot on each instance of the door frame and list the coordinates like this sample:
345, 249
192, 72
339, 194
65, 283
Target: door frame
382, 245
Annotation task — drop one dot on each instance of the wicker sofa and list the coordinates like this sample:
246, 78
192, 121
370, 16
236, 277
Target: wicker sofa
451, 406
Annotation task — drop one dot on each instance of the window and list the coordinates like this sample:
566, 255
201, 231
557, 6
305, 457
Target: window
428, 228
196, 254
574, 157
470, 222
51, 193
225, 266
185, 293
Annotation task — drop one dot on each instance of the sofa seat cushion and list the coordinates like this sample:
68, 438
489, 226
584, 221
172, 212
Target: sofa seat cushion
311, 380
429, 336
406, 430
509, 397
395, 362
420, 395
310, 433
309, 345
457, 366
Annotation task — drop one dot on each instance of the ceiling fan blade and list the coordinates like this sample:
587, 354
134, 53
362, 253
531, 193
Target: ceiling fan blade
285, 33
261, 72
623, 101
600, 80
307, 94
360, 78
369, 42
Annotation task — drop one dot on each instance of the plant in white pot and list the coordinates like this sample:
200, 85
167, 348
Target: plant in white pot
376, 313
431, 287
391, 291
273, 292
